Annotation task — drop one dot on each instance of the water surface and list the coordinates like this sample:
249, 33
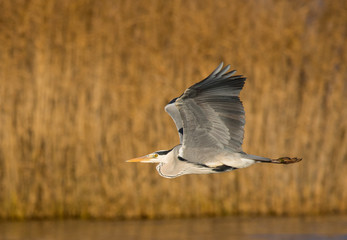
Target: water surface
241, 228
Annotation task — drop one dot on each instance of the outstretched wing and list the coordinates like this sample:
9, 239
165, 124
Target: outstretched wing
211, 115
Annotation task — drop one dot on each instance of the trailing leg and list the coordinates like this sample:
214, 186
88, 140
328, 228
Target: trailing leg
286, 160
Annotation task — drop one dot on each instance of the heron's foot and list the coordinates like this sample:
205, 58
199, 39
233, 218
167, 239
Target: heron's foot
286, 160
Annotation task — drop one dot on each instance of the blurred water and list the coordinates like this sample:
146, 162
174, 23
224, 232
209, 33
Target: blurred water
241, 228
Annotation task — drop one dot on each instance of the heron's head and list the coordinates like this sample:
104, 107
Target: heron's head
156, 157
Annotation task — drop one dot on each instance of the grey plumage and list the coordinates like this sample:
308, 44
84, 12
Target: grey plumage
210, 119
212, 116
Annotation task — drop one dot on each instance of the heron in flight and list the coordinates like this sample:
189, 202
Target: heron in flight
210, 120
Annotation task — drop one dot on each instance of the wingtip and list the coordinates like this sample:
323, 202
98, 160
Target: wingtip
223, 71
220, 66
217, 70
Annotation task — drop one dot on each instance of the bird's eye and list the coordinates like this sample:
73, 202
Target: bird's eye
155, 155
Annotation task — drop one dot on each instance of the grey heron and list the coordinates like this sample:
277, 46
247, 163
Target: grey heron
210, 120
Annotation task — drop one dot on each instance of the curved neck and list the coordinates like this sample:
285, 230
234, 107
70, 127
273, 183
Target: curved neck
171, 167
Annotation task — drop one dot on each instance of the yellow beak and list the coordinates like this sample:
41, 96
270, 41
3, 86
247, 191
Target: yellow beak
140, 159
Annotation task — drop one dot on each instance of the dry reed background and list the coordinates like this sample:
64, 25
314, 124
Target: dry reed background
84, 83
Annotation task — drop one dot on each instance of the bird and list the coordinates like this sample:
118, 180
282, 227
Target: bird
210, 119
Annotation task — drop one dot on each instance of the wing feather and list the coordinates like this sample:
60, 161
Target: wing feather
172, 110
211, 115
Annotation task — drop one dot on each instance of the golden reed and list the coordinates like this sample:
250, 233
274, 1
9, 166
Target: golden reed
83, 85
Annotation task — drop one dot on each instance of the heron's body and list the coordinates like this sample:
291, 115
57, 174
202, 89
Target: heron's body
210, 120
175, 165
